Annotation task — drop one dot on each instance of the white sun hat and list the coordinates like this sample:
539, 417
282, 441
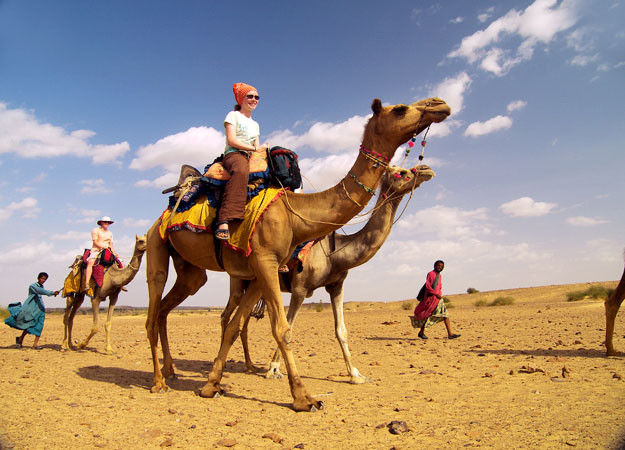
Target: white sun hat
105, 219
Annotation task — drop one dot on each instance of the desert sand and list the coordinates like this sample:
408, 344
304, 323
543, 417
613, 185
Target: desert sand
528, 375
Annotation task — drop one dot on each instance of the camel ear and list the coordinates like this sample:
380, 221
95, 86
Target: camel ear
376, 106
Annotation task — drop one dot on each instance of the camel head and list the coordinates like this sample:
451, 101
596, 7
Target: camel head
391, 126
398, 180
141, 243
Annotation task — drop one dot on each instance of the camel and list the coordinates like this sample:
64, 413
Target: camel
114, 279
612, 305
328, 263
292, 219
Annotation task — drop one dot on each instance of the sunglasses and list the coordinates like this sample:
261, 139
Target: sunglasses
252, 97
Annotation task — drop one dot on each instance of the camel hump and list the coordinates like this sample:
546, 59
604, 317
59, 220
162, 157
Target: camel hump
186, 171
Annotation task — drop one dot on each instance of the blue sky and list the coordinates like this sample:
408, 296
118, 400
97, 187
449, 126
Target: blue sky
101, 102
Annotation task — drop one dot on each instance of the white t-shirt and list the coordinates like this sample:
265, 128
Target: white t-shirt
247, 130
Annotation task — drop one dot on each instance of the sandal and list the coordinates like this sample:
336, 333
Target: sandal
422, 336
222, 234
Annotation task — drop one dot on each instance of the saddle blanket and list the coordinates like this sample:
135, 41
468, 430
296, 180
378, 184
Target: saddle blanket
73, 282
199, 217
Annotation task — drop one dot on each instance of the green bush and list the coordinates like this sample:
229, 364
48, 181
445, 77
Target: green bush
472, 291
594, 292
4, 313
502, 301
406, 306
499, 301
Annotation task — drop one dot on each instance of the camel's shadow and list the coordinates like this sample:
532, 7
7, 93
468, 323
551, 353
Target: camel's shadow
386, 338
564, 353
128, 378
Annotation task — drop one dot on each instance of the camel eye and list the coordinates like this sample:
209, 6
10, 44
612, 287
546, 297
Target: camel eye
400, 110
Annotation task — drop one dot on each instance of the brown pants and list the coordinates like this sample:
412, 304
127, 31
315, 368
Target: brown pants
235, 192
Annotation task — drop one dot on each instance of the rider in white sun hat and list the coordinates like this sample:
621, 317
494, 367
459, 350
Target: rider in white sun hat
102, 238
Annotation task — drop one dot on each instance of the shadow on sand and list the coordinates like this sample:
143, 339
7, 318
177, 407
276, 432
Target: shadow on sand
564, 353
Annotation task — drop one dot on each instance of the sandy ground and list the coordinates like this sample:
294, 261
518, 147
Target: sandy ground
469, 392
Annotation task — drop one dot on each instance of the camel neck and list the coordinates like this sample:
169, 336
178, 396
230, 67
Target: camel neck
360, 247
321, 213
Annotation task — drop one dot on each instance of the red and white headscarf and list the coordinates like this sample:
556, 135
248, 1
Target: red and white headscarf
240, 91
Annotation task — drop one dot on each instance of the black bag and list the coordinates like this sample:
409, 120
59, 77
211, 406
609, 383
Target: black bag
421, 294
107, 258
284, 168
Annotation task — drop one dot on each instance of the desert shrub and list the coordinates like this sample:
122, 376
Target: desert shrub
318, 306
595, 292
502, 301
472, 291
575, 296
406, 306
4, 313
499, 301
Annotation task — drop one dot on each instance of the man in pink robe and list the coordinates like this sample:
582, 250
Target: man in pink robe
431, 309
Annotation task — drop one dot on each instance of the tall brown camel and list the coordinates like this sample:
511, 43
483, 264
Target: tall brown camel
328, 263
612, 305
114, 279
291, 219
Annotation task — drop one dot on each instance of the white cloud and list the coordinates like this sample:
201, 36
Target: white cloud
324, 136
583, 60
94, 187
490, 126
22, 134
25, 252
321, 173
516, 105
448, 222
457, 20
582, 221
197, 147
483, 17
78, 215
452, 90
72, 236
526, 207
27, 207
138, 223
539, 22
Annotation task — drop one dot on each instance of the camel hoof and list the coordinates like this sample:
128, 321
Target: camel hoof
212, 392
320, 406
273, 375
613, 353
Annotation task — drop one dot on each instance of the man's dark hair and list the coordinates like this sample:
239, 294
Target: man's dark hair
439, 261
42, 274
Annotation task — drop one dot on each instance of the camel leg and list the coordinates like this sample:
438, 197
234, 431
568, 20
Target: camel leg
297, 298
212, 387
336, 298
266, 272
157, 262
189, 280
612, 306
237, 289
95, 308
249, 364
72, 304
107, 325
